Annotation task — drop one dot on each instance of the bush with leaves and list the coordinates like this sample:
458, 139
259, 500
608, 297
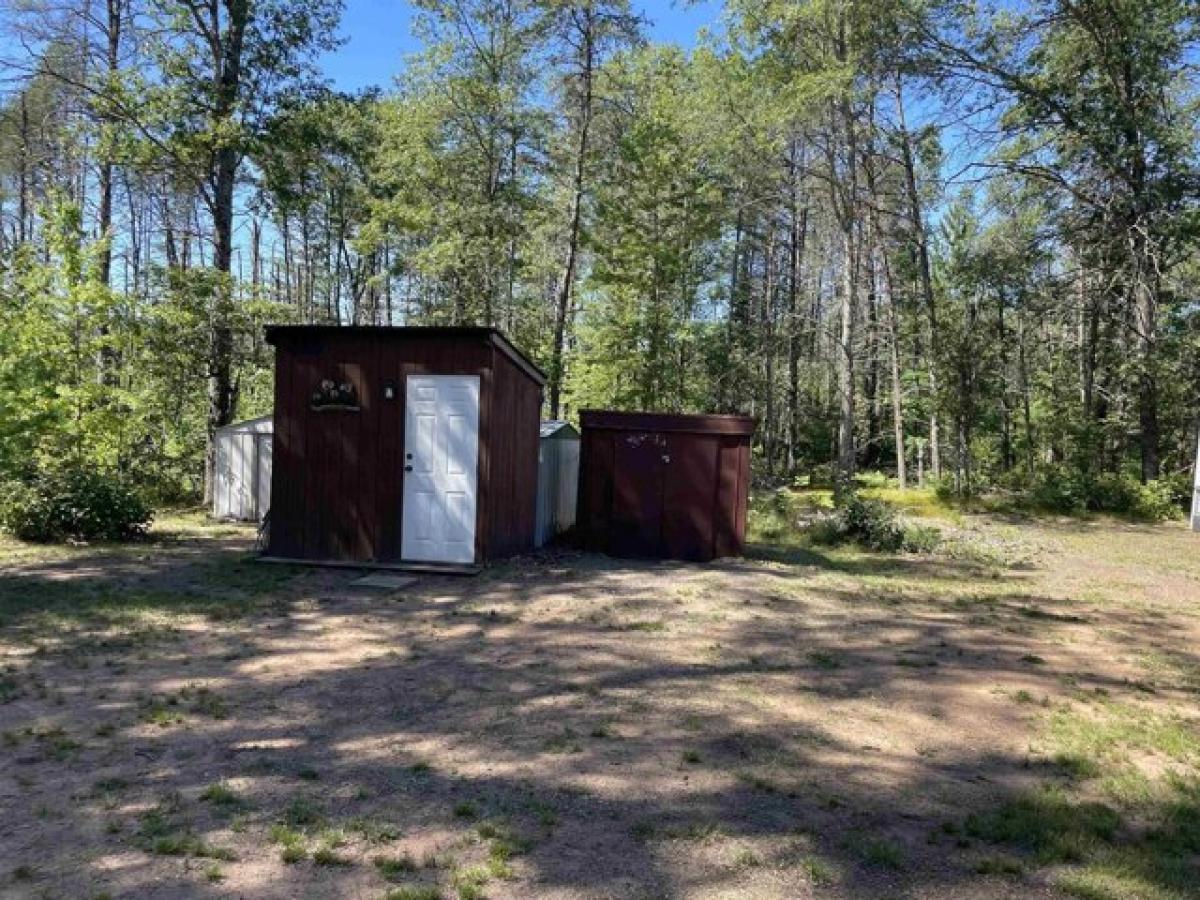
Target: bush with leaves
875, 525
73, 503
1073, 492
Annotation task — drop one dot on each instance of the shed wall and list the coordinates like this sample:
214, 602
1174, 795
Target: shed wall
558, 487
338, 475
512, 451
242, 474
664, 486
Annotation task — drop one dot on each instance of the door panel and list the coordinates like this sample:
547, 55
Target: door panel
691, 473
441, 468
637, 506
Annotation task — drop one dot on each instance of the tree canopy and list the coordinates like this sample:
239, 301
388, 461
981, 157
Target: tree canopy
953, 241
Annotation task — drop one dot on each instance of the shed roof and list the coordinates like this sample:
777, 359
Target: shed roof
495, 335
559, 429
258, 425
646, 421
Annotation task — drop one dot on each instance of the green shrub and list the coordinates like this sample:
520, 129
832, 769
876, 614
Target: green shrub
921, 539
872, 523
1075, 493
73, 503
875, 525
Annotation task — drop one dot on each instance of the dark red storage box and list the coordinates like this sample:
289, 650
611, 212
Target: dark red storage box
664, 486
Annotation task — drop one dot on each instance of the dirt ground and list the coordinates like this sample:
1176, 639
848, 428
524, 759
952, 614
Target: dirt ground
179, 720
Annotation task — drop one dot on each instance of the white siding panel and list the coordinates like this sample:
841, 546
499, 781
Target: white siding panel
558, 481
242, 479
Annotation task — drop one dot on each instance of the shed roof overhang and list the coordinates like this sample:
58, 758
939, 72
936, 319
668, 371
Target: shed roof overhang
647, 421
278, 333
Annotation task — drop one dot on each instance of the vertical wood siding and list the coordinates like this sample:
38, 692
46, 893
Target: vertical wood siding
664, 485
513, 459
337, 478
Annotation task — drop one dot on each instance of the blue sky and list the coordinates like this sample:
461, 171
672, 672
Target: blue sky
378, 35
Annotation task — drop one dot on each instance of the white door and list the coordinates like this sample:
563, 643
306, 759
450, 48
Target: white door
441, 460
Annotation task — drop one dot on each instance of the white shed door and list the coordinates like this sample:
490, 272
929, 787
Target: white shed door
441, 462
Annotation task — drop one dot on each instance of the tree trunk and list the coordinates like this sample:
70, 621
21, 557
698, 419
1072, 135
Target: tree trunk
799, 222
222, 388
1147, 313
845, 365
23, 175
920, 238
893, 327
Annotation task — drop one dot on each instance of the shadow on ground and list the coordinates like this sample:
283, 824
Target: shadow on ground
566, 726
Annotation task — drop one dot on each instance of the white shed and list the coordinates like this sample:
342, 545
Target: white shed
558, 480
242, 479
1196, 490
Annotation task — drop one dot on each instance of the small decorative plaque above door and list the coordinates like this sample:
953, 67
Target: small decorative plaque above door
330, 395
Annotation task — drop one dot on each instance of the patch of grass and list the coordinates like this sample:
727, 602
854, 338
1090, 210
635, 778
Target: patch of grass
213, 874
817, 870
466, 810
1077, 766
564, 743
394, 867
303, 813
205, 701
328, 856
414, 892
184, 844
160, 711
1113, 730
652, 626
54, 743
282, 834
470, 882
293, 853
691, 757
23, 873
1113, 882
999, 865
1033, 659
374, 831
1048, 823
113, 785
758, 782
291, 842
746, 858
308, 773
504, 844
220, 794
876, 851
547, 815
704, 830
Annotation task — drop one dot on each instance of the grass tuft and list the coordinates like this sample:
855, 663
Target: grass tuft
394, 867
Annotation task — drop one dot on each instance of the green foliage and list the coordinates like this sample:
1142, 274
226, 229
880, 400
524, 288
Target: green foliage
872, 523
73, 503
1069, 491
875, 525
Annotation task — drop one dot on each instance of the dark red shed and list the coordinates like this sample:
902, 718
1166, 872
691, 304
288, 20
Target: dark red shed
657, 485
402, 445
